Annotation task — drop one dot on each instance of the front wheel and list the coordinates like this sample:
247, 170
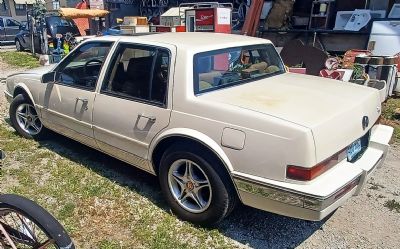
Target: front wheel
25, 119
28, 225
195, 185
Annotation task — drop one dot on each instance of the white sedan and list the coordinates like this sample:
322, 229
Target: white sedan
216, 117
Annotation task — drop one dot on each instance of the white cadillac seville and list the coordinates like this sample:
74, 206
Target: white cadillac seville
216, 117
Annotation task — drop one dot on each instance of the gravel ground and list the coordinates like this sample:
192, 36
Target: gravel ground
4, 48
363, 222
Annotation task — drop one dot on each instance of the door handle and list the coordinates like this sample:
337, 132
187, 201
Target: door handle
82, 99
84, 103
150, 118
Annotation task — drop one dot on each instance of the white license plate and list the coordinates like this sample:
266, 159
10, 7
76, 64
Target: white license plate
353, 150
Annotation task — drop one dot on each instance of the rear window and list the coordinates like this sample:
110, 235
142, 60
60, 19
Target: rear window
233, 66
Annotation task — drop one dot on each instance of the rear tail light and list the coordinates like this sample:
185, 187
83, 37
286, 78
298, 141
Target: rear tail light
308, 174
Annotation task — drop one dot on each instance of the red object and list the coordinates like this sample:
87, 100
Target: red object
163, 29
308, 174
350, 56
216, 20
398, 60
300, 70
252, 20
331, 74
82, 23
180, 28
205, 17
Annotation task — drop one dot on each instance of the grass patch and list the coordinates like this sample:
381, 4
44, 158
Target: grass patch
391, 117
19, 59
392, 205
96, 211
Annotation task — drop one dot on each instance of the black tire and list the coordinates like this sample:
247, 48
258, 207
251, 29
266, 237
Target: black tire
18, 45
36, 214
18, 101
224, 196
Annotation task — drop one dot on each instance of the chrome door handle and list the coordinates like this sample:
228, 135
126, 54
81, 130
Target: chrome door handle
150, 118
82, 99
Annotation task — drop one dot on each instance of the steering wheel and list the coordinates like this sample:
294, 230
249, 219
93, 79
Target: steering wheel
85, 67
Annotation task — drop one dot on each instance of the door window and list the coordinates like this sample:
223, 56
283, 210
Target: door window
140, 73
1, 23
82, 67
12, 23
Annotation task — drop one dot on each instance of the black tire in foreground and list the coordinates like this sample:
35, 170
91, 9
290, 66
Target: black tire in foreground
196, 185
30, 226
25, 119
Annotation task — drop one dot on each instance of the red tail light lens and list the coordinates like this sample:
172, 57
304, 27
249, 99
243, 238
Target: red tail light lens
308, 174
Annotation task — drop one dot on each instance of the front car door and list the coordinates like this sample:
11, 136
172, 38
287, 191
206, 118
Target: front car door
12, 28
132, 104
68, 102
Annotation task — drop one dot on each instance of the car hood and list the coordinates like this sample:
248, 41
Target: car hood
333, 110
36, 71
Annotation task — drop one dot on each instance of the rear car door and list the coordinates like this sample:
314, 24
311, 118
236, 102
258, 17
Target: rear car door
132, 107
12, 28
68, 102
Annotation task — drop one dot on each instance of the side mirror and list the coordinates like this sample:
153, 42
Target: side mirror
22, 27
48, 77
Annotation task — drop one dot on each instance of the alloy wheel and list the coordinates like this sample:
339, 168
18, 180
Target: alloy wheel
190, 186
28, 119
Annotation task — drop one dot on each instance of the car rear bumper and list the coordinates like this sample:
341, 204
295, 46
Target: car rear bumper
320, 197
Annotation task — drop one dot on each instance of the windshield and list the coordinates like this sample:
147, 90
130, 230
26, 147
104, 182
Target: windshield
228, 67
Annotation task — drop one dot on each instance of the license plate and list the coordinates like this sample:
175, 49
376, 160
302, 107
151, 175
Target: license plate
353, 150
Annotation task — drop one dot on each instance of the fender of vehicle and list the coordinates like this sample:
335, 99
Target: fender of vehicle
197, 136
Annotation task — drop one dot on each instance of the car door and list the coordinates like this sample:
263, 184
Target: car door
132, 104
2, 30
68, 102
12, 28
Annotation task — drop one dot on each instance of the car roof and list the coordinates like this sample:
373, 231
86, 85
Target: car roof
191, 41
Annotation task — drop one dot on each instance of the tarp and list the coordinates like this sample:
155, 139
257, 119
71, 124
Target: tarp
82, 13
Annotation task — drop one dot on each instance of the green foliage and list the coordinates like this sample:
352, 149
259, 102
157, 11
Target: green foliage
19, 59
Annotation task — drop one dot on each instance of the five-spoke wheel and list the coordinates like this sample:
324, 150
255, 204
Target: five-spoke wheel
195, 184
189, 186
24, 117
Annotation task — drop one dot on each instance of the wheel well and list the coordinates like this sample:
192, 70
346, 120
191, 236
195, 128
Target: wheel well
20, 90
190, 142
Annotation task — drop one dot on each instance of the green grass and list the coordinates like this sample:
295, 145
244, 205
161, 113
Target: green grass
391, 116
393, 205
97, 211
19, 59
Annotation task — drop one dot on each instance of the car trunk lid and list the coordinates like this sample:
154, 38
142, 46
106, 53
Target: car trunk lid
333, 110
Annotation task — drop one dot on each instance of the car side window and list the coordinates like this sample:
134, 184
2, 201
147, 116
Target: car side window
1, 23
12, 23
140, 73
82, 67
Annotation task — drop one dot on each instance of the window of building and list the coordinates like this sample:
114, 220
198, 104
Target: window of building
56, 5
20, 6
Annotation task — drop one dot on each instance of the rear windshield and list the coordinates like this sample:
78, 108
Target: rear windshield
228, 67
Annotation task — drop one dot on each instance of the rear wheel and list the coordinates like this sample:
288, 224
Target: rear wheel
25, 119
195, 186
18, 45
28, 225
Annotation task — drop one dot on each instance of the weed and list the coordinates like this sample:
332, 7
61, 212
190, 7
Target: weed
392, 205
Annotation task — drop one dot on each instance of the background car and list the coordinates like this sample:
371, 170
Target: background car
8, 29
55, 25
